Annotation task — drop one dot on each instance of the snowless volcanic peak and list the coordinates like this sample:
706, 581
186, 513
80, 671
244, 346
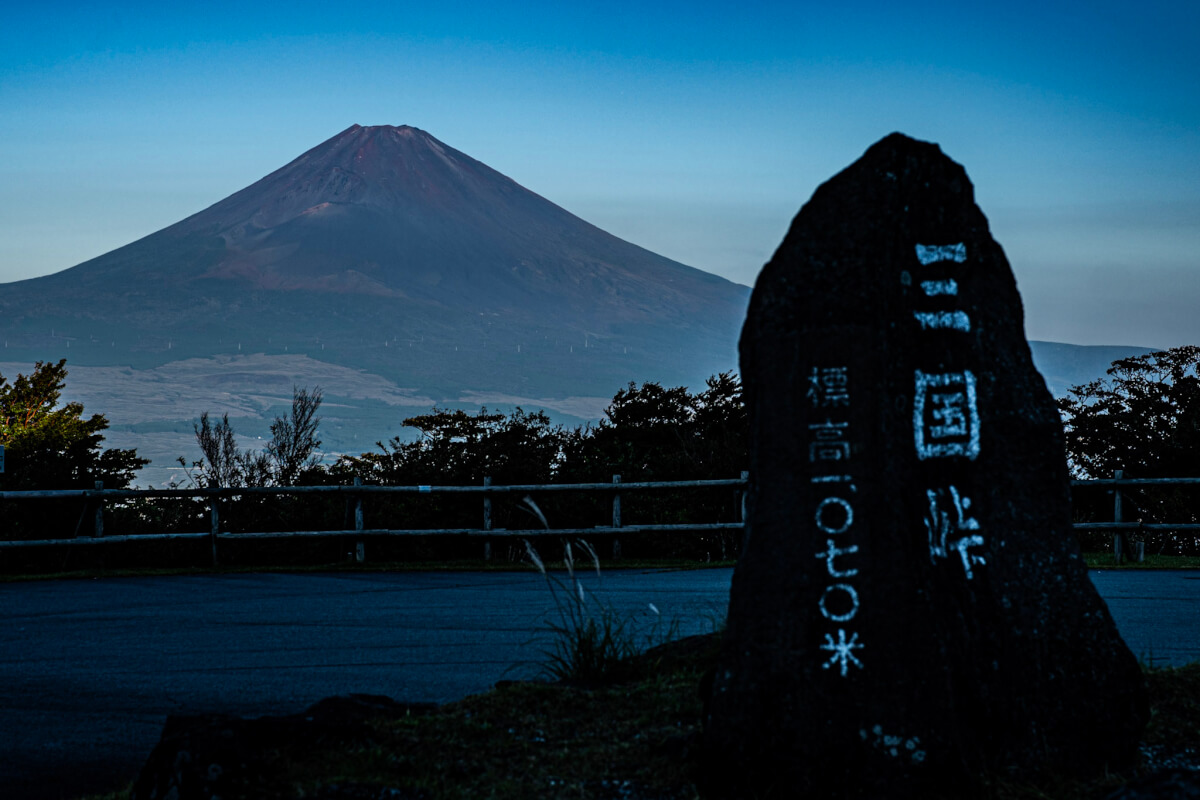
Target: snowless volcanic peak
386, 228
393, 212
380, 166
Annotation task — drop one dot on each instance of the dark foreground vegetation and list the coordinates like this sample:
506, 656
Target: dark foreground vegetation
1100, 559
634, 736
650, 433
1144, 419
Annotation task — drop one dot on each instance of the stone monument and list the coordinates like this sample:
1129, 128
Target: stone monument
910, 610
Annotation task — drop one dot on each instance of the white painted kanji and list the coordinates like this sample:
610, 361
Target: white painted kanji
828, 387
902, 747
843, 651
939, 288
827, 515
945, 415
828, 442
833, 479
848, 592
950, 528
943, 320
831, 552
949, 320
933, 253
829, 452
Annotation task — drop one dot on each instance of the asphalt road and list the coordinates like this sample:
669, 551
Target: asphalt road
89, 669
1156, 611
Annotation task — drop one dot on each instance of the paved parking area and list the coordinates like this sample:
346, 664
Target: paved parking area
89, 669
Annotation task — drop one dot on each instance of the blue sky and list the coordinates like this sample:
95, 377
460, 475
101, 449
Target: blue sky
695, 129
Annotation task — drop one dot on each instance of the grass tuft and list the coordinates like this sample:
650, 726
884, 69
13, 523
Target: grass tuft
591, 643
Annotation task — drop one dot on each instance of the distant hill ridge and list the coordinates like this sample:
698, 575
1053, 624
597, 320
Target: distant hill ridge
1067, 365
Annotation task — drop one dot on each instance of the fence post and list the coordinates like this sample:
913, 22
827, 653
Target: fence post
1118, 535
360, 547
98, 527
742, 498
487, 519
741, 537
215, 515
616, 519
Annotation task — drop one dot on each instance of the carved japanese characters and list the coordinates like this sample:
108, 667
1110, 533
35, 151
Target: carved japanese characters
910, 607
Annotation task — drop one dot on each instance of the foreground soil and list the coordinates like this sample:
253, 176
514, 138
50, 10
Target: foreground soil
632, 738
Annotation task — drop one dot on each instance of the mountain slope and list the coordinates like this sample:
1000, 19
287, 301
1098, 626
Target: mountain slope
1066, 365
387, 249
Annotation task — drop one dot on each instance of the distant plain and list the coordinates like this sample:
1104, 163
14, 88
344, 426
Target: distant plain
153, 409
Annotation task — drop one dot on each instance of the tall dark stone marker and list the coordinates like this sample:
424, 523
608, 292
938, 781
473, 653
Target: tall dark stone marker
910, 609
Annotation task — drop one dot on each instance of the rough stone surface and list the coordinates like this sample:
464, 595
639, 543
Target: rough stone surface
910, 608
218, 756
1176, 784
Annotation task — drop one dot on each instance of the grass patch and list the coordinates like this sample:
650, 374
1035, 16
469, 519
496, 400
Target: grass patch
629, 738
1175, 706
632, 738
118, 794
1104, 560
530, 740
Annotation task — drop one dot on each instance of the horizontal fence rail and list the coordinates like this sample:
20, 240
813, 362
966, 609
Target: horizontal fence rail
1123, 547
97, 498
355, 494
250, 491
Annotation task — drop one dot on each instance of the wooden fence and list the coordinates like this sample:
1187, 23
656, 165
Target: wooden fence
1123, 547
355, 495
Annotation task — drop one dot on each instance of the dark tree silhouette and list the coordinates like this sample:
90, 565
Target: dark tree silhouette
53, 446
294, 442
1143, 419
291, 451
49, 445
